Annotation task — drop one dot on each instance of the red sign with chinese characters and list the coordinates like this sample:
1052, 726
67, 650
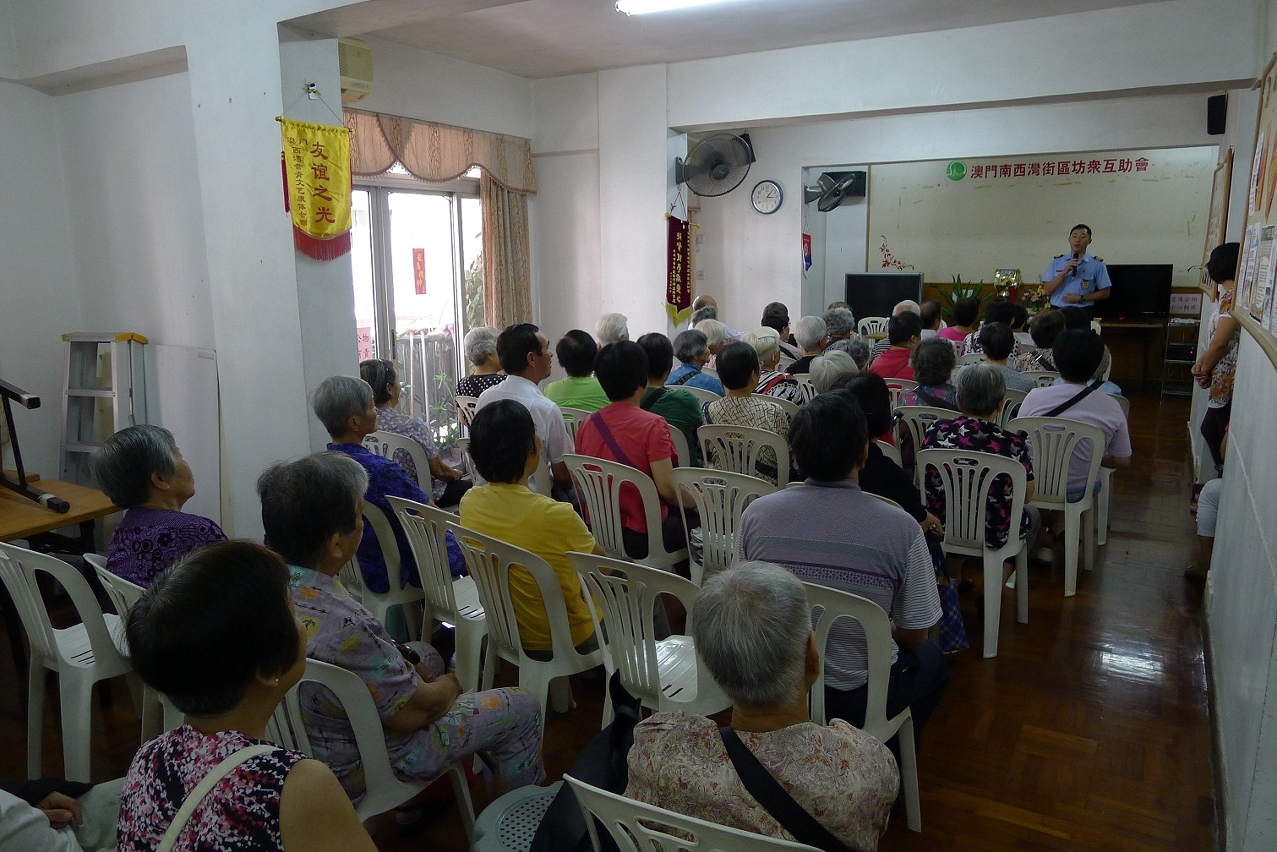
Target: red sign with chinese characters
419, 271
678, 287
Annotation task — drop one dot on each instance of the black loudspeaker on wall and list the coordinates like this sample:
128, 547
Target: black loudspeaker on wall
1216, 114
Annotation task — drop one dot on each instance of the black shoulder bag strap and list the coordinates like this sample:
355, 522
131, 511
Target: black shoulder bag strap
650, 402
685, 378
770, 793
1074, 400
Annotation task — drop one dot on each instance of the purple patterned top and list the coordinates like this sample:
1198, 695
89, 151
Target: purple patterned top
147, 541
385, 478
981, 436
240, 812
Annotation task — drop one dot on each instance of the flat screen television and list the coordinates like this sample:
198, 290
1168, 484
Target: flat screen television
874, 294
1141, 291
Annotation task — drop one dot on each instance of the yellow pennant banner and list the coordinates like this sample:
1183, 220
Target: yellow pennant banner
317, 187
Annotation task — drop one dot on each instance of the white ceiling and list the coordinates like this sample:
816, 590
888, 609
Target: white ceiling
551, 38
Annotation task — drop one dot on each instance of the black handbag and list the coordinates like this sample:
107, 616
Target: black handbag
602, 763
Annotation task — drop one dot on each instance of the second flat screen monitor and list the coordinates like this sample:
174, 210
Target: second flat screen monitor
874, 294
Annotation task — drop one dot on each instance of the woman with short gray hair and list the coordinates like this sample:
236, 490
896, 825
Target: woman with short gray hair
715, 334
831, 369
142, 470
933, 361
691, 348
611, 328
485, 367
752, 628
980, 394
772, 381
809, 333
857, 347
344, 405
840, 324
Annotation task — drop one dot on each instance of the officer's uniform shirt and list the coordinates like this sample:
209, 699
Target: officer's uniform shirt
1091, 275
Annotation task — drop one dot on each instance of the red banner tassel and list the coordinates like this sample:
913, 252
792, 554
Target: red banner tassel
321, 249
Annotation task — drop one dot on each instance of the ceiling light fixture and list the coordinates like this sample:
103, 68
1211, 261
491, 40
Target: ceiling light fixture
644, 7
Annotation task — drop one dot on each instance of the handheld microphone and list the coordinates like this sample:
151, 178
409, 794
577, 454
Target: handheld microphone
54, 503
1077, 255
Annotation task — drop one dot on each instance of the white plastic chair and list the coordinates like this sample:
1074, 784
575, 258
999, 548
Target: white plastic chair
158, 713
639, 827
875, 326
913, 423
891, 452
82, 655
598, 486
463, 445
971, 358
1044, 378
790, 408
1106, 484
966, 479
896, 389
1052, 442
1011, 406
466, 406
663, 674
834, 605
379, 603
701, 394
737, 449
384, 790
490, 562
710, 371
386, 444
572, 419
720, 499
452, 601
681, 449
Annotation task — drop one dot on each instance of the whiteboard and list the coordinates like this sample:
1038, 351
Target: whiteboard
945, 217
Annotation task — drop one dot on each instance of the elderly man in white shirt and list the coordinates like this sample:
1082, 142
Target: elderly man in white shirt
527, 359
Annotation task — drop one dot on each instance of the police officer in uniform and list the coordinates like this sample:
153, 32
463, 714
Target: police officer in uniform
1077, 278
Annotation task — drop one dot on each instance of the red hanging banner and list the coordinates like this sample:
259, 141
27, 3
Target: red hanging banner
419, 271
678, 287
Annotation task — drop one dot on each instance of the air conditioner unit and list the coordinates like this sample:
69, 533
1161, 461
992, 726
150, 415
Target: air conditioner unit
354, 56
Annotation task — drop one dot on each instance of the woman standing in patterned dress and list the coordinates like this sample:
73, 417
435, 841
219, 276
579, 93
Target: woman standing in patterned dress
1218, 364
217, 634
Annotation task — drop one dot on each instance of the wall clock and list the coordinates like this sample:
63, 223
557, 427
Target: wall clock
767, 196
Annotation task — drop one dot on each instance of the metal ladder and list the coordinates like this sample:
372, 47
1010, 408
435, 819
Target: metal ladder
104, 391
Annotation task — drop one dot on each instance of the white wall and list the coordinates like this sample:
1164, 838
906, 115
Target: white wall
429, 87
39, 299
1124, 49
136, 225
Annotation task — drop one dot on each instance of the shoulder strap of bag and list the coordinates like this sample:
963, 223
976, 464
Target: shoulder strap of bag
202, 789
650, 402
769, 793
1073, 400
934, 400
686, 377
608, 438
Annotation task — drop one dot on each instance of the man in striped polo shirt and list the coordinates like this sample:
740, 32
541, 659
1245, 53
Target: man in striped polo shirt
829, 532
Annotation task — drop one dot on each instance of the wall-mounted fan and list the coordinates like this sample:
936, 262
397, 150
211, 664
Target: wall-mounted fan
717, 164
833, 188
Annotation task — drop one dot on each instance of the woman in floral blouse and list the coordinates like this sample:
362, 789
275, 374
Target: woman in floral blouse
1217, 365
981, 391
752, 628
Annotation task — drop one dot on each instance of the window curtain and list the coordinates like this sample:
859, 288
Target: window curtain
440, 153
507, 278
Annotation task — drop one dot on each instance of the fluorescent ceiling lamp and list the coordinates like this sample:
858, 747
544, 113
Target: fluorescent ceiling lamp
644, 7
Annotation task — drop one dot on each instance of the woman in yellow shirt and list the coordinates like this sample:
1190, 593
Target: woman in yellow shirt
506, 450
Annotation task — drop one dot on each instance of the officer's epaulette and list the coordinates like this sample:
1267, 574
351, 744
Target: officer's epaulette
1097, 257
1057, 257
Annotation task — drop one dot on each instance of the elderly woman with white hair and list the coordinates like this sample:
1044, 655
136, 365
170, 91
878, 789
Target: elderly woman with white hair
611, 328
810, 334
752, 628
771, 381
830, 370
715, 334
840, 324
691, 348
857, 347
485, 367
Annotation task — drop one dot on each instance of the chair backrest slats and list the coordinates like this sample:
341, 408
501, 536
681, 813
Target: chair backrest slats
966, 479
387, 444
720, 499
738, 449
1053, 442
424, 526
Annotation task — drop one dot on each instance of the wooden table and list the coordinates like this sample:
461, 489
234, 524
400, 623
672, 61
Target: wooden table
22, 518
